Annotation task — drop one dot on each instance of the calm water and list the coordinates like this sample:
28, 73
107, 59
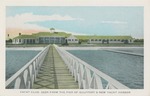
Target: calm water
16, 59
128, 69
132, 50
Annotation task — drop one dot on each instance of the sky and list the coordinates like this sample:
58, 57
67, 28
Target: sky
86, 20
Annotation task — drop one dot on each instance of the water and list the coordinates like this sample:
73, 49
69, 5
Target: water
127, 69
16, 59
132, 50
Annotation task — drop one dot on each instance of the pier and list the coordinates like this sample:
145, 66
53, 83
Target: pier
55, 68
54, 74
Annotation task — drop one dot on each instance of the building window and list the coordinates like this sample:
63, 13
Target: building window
41, 40
122, 40
96, 40
72, 39
69, 39
114, 39
130, 40
92, 40
99, 39
76, 40
19, 40
47, 39
33, 40
118, 39
30, 40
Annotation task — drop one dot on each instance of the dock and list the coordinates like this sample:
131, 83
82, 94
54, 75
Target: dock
54, 74
55, 68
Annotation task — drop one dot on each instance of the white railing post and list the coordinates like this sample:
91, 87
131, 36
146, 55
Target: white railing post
87, 78
98, 82
75, 70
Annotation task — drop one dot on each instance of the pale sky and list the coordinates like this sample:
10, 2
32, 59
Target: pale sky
90, 20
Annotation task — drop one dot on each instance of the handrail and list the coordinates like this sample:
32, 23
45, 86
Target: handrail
87, 76
25, 77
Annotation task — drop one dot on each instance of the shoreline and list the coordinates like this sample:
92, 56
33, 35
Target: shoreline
25, 48
95, 48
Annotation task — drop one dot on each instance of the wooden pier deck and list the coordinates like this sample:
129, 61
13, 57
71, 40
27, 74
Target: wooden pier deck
54, 73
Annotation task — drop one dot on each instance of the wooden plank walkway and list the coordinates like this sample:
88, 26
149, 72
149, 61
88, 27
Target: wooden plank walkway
54, 73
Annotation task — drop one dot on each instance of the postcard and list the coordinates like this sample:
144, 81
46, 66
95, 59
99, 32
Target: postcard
75, 48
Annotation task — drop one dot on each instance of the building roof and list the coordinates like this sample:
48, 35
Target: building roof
62, 34
25, 36
82, 36
72, 37
43, 34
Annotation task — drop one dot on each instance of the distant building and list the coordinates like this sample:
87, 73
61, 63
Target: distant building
24, 39
62, 37
72, 39
45, 38
111, 39
106, 39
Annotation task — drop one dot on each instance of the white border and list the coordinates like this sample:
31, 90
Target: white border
133, 92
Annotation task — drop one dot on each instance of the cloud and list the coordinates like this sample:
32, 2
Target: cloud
22, 20
114, 22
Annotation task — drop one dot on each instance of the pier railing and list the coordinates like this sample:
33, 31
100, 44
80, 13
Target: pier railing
25, 77
87, 76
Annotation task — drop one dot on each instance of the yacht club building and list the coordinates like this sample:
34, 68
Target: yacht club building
45, 38
62, 37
